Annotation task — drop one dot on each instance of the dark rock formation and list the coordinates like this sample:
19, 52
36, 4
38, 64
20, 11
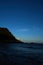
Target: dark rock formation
7, 37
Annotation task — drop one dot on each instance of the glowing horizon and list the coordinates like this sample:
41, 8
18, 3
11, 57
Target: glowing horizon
23, 18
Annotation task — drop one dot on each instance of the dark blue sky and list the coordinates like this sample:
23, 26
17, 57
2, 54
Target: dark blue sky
24, 18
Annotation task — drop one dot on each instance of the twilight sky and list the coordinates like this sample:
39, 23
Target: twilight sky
24, 18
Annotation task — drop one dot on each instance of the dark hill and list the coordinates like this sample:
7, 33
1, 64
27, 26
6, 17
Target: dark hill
7, 37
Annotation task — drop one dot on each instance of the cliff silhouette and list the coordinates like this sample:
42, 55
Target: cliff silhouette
7, 37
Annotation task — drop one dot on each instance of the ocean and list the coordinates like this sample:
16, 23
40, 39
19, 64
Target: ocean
21, 54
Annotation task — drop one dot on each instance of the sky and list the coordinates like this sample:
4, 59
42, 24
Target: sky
24, 18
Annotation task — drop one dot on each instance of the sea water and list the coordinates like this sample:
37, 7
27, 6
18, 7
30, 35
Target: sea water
21, 54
